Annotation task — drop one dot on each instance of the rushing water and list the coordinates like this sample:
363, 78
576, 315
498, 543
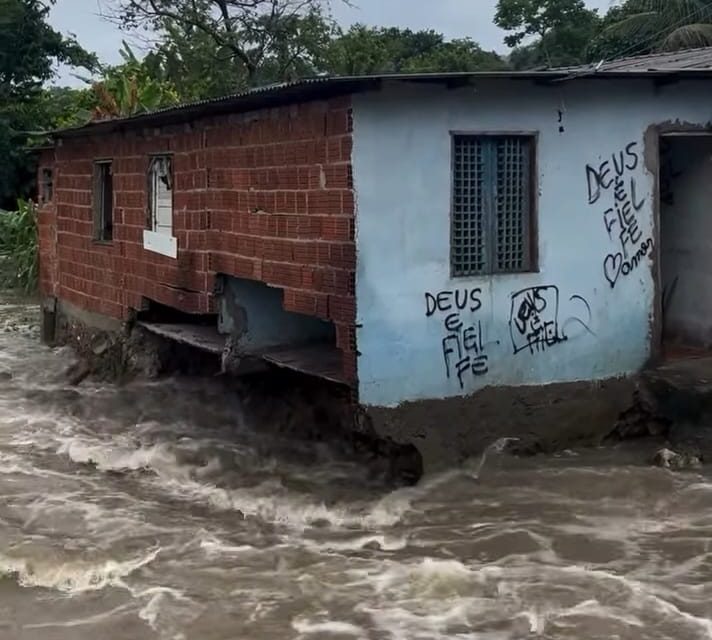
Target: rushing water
155, 510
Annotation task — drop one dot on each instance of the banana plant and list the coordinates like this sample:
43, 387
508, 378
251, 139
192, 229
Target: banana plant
130, 88
19, 258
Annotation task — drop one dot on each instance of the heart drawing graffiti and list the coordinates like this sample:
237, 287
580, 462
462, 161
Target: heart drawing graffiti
612, 268
615, 266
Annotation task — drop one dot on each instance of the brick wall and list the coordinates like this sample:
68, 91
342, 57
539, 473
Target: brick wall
266, 195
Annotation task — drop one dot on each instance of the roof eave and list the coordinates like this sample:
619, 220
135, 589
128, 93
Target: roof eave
280, 95
320, 88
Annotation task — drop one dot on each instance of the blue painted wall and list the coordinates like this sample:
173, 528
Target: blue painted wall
595, 300
253, 312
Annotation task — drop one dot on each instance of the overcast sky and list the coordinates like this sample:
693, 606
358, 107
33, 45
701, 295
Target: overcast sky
454, 18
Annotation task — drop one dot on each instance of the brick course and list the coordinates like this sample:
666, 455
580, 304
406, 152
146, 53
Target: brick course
266, 195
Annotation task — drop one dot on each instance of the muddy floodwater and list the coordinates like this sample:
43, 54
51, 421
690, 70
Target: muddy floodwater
156, 510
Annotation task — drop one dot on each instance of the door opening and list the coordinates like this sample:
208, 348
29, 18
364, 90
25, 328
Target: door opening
686, 244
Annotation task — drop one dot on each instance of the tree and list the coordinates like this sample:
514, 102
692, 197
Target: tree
29, 49
638, 27
199, 67
562, 30
297, 48
195, 65
368, 50
245, 36
461, 54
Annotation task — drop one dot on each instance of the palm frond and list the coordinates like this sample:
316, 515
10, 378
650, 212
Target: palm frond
674, 11
690, 36
634, 25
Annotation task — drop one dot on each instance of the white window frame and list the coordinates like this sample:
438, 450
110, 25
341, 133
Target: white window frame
158, 237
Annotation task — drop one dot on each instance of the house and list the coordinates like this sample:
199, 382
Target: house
474, 255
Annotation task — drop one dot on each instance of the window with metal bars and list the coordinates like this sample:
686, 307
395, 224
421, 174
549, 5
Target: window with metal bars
492, 208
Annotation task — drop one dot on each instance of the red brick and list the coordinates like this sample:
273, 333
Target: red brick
275, 249
325, 202
349, 363
333, 281
338, 176
306, 253
285, 202
336, 228
348, 203
129, 199
221, 220
338, 122
342, 309
282, 274
340, 102
302, 205
291, 163
346, 337
306, 303
343, 256
131, 164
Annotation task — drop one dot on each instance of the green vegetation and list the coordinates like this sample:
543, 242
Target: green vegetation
130, 88
19, 265
29, 48
368, 50
544, 33
561, 31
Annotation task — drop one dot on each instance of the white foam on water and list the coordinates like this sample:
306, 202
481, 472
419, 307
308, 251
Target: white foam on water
11, 464
429, 597
594, 609
330, 627
638, 600
77, 513
430, 578
15, 469
215, 547
115, 457
669, 610
380, 542
699, 486
264, 501
166, 610
72, 577
401, 623
83, 622
271, 502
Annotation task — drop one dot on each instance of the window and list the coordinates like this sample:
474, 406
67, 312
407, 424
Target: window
492, 204
103, 201
47, 187
158, 235
160, 195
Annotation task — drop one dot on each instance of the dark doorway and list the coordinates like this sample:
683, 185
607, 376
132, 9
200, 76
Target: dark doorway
686, 243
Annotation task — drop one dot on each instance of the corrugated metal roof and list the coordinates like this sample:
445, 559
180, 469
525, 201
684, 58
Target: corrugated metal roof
284, 93
694, 62
671, 62
255, 98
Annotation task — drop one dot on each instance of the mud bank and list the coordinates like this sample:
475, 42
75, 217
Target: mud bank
672, 407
